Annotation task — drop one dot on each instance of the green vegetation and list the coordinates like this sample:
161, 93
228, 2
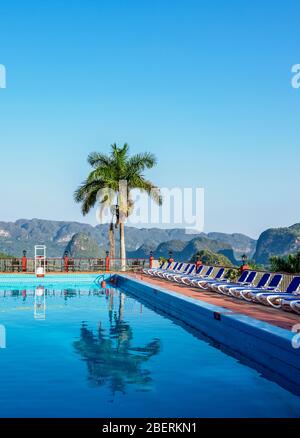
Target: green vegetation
289, 263
162, 259
211, 258
107, 180
5, 256
255, 266
232, 274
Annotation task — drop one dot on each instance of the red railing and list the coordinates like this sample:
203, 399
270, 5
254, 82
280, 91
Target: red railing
54, 264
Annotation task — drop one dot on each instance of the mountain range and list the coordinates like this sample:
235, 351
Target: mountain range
277, 241
57, 236
184, 250
87, 240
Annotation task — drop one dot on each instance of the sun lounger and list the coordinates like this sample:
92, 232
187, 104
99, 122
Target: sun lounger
186, 269
275, 299
236, 291
295, 305
225, 288
205, 282
214, 285
185, 278
250, 294
188, 280
177, 268
148, 271
164, 269
172, 267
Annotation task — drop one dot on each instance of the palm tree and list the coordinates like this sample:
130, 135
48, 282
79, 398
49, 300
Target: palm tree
111, 181
111, 234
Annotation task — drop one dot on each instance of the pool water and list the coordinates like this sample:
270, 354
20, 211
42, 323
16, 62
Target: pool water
87, 352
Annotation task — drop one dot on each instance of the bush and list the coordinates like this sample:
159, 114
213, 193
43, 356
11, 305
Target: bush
5, 256
211, 258
162, 259
289, 263
232, 274
255, 266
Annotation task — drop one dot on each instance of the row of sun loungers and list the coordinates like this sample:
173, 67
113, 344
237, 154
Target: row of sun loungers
266, 291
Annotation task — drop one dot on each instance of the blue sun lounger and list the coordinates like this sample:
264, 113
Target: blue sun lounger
188, 280
149, 271
187, 268
205, 282
250, 294
275, 299
214, 285
236, 292
225, 289
177, 268
166, 267
170, 268
185, 278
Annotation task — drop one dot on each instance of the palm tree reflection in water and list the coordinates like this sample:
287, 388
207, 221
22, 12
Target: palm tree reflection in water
111, 359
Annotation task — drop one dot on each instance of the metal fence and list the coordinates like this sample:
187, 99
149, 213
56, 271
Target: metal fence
14, 265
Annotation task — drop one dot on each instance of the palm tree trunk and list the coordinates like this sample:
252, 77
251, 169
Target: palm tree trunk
121, 306
112, 250
122, 246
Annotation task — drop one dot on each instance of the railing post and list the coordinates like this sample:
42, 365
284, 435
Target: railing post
151, 258
66, 261
198, 262
24, 262
107, 262
171, 259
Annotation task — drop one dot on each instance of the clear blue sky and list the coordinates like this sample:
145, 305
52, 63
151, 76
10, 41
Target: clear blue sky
206, 86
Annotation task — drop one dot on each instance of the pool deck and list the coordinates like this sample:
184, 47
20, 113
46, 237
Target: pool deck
270, 315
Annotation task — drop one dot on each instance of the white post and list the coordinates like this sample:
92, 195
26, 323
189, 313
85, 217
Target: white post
39, 303
40, 260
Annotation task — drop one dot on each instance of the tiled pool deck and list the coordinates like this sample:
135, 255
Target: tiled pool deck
273, 316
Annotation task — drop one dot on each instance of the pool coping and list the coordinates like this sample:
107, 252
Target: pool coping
67, 279
265, 344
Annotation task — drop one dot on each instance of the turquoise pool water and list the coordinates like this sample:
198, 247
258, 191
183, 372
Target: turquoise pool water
86, 352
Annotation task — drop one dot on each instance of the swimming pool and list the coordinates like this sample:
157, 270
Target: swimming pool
90, 352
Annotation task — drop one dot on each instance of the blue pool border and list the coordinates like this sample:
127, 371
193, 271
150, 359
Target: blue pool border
51, 280
264, 344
